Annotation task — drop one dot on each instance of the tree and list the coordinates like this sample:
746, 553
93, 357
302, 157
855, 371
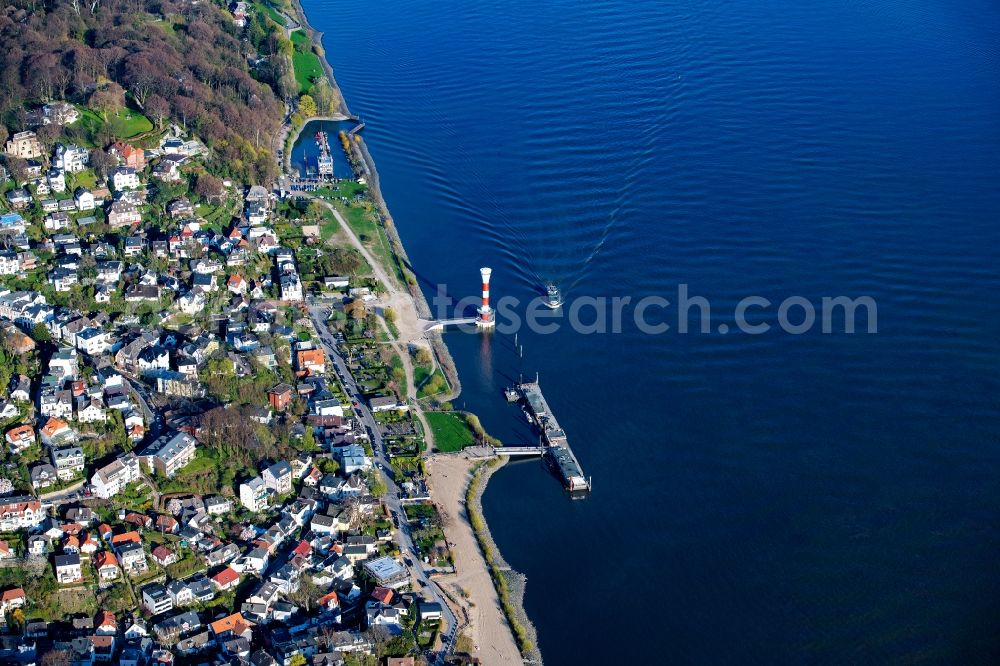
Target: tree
49, 134
41, 333
315, 209
306, 594
423, 356
158, 109
55, 658
376, 485
18, 169
307, 106
15, 621
102, 162
208, 186
322, 93
355, 309
298, 659
107, 100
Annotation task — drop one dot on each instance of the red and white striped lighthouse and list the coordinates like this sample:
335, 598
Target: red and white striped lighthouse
487, 316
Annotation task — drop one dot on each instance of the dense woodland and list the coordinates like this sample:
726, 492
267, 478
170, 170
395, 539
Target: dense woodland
169, 59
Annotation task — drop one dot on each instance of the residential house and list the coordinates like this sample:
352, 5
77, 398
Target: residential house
156, 599
115, 476
20, 438
68, 461
131, 557
68, 571
24, 145
125, 178
278, 477
123, 213
163, 555
226, 579
130, 156
280, 397
254, 494
43, 475
311, 361
84, 199
106, 566
217, 505
72, 158
169, 453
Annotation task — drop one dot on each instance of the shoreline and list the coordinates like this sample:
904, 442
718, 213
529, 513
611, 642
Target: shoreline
513, 586
521, 625
439, 349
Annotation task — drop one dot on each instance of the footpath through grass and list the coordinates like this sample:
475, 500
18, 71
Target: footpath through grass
451, 432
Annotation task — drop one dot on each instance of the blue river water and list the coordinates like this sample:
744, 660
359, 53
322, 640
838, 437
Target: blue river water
767, 499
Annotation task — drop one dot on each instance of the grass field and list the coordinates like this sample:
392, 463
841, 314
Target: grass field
126, 125
451, 433
273, 13
306, 63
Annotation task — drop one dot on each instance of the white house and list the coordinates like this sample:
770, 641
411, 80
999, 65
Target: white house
125, 178
72, 159
113, 477
84, 199
253, 494
92, 412
278, 477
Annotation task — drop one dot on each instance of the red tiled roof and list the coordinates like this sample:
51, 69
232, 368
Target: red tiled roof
226, 577
382, 594
104, 559
127, 536
162, 552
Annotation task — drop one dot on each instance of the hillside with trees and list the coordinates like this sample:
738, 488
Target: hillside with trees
167, 60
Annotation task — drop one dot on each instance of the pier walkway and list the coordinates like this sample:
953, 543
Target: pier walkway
437, 324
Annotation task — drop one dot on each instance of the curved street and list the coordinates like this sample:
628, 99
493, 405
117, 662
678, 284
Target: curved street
317, 313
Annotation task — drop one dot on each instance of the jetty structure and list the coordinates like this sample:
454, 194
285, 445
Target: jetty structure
324, 161
556, 447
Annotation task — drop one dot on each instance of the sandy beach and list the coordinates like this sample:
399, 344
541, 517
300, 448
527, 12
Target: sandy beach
472, 587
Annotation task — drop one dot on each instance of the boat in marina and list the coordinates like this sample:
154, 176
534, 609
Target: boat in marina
324, 161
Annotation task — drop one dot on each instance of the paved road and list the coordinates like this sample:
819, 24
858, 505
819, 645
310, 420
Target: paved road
64, 496
318, 315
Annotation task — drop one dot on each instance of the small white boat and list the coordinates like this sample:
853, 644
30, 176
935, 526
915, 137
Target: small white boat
554, 298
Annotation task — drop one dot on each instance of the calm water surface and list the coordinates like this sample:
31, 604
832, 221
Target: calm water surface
765, 499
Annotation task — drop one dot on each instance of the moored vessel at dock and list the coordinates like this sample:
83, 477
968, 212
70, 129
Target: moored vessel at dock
557, 450
324, 161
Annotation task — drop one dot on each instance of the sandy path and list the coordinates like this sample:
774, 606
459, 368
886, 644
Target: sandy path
449, 477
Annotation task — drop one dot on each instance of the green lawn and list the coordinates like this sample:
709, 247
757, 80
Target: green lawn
127, 124
372, 235
429, 383
306, 63
345, 188
451, 433
87, 179
273, 13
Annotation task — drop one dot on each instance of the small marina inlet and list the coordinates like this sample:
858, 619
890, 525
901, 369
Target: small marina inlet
317, 155
557, 450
